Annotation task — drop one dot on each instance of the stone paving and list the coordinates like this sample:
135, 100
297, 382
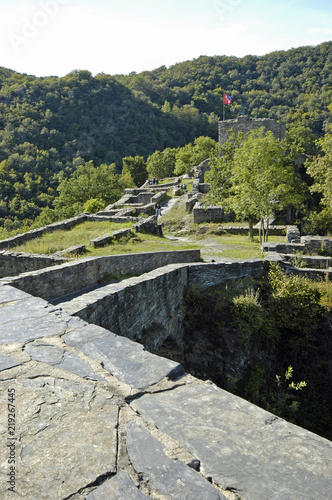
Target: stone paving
99, 417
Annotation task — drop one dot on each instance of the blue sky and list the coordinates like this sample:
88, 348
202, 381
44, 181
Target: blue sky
54, 37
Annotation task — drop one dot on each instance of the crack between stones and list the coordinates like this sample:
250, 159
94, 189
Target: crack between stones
150, 391
97, 482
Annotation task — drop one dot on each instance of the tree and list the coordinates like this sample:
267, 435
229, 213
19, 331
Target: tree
193, 154
320, 168
161, 163
259, 179
136, 168
89, 182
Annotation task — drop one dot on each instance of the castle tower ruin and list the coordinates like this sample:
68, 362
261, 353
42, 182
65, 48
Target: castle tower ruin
245, 124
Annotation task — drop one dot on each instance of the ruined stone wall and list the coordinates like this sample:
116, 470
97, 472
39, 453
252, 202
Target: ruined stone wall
20, 239
14, 263
57, 281
210, 214
149, 308
117, 407
245, 124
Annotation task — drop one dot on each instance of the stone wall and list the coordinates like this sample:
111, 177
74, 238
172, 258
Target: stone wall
57, 281
149, 225
21, 239
245, 124
14, 263
134, 425
307, 245
210, 214
244, 230
149, 308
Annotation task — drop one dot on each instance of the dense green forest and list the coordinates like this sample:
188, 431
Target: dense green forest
54, 128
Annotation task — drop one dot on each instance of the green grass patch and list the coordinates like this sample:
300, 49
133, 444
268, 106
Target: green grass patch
62, 239
83, 233
141, 243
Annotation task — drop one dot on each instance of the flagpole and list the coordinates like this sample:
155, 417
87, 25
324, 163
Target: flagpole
223, 106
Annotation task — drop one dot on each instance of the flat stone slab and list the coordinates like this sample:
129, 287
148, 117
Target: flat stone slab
61, 359
24, 318
242, 447
120, 487
169, 477
126, 360
65, 437
7, 362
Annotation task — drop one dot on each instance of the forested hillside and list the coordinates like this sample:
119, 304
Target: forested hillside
51, 126
293, 85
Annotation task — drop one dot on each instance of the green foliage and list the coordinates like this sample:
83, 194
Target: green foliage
87, 183
53, 125
228, 323
252, 178
296, 301
161, 164
250, 316
281, 399
94, 205
318, 222
136, 168
193, 154
320, 168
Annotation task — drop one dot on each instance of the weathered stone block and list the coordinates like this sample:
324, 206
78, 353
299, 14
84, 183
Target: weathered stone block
74, 250
120, 487
245, 124
120, 233
293, 233
101, 241
126, 360
148, 225
242, 447
169, 477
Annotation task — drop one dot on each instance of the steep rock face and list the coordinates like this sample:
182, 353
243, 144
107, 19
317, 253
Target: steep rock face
224, 356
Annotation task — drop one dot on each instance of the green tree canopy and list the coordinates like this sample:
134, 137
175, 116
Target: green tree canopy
161, 164
257, 179
136, 168
89, 183
320, 168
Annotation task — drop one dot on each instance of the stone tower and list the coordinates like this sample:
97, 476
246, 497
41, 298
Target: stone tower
245, 124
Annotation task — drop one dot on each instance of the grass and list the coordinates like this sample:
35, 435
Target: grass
83, 233
175, 222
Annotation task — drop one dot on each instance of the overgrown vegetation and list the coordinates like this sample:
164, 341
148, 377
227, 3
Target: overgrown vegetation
251, 336
154, 123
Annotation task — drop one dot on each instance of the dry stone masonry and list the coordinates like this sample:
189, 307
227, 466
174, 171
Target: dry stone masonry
98, 416
245, 124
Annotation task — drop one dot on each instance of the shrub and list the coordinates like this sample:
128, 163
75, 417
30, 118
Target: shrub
318, 223
250, 316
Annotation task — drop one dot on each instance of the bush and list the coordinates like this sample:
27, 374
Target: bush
318, 223
93, 205
250, 316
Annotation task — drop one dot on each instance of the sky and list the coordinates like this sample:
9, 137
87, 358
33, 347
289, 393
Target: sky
54, 37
